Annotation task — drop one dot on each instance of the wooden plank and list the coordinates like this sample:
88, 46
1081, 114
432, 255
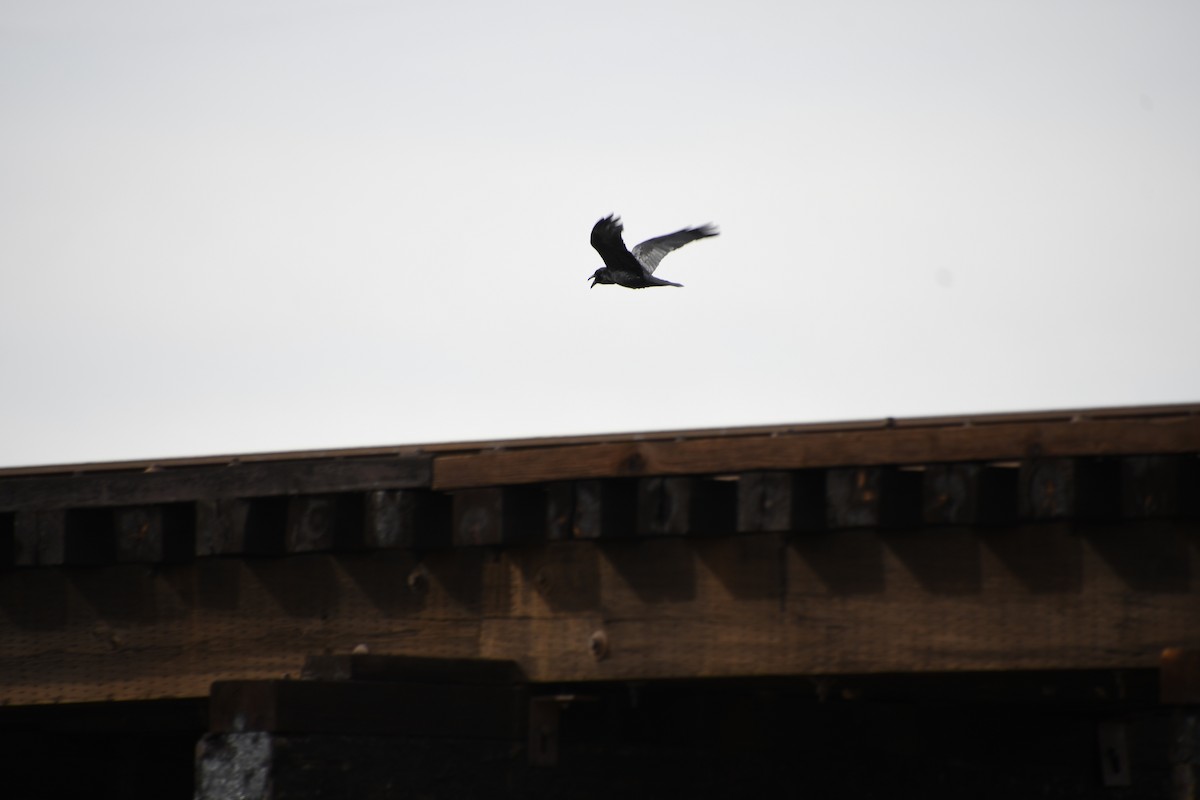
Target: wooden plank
195, 483
864, 600
1166, 413
846, 602
365, 708
897, 445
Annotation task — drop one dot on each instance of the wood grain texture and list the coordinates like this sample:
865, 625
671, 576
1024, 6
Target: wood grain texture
888, 446
1044, 596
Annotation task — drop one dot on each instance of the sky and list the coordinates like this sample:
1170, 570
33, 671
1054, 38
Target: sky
235, 227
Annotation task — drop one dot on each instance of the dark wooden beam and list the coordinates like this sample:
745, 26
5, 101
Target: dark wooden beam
859, 600
194, 483
996, 441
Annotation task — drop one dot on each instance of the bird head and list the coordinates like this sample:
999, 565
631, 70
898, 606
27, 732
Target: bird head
600, 276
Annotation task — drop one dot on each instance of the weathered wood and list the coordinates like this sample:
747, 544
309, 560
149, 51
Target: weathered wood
998, 440
499, 516
781, 501
194, 483
408, 518
1038, 596
873, 496
369, 708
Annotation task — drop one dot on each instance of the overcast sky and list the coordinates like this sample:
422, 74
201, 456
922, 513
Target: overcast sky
245, 226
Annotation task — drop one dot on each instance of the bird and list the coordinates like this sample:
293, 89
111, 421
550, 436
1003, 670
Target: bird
636, 269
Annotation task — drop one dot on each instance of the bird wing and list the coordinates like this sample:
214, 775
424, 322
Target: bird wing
606, 238
650, 252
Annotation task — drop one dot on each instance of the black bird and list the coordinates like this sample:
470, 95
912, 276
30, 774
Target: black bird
636, 269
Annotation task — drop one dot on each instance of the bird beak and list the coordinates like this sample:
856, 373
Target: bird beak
593, 280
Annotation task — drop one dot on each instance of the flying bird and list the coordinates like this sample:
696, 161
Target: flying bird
636, 269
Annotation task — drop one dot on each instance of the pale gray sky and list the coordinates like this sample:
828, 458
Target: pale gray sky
246, 226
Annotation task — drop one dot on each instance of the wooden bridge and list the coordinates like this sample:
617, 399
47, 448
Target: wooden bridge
1031, 541
1063, 541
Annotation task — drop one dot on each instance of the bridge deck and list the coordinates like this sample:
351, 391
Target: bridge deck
1063, 540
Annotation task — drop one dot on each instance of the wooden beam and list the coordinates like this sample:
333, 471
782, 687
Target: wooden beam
194, 483
999, 441
859, 600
